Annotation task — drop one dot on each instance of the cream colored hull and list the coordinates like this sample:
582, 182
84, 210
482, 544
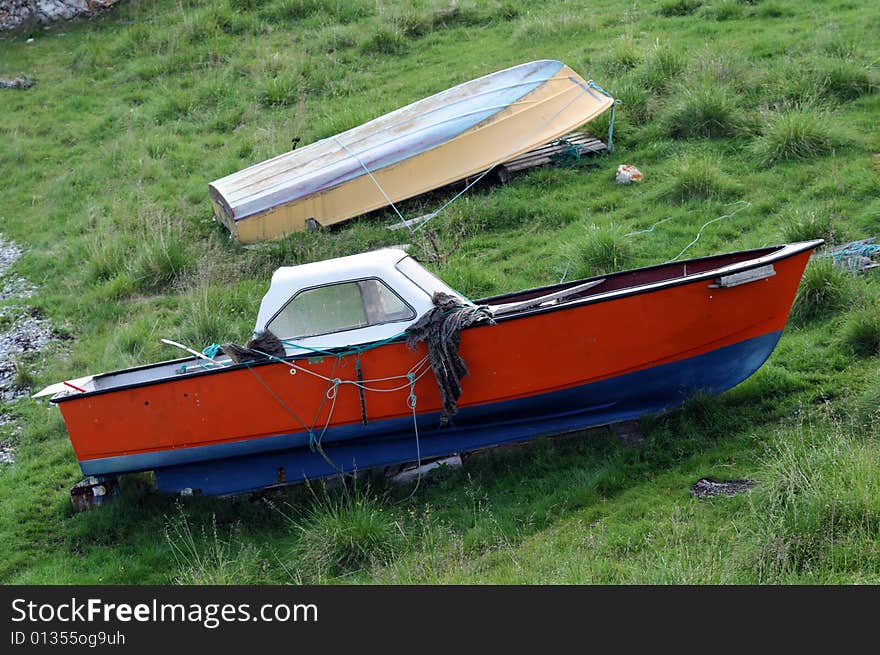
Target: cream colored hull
553, 109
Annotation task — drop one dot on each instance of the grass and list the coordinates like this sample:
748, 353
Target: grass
796, 134
861, 332
768, 105
824, 290
597, 251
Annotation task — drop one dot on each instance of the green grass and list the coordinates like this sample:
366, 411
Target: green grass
768, 106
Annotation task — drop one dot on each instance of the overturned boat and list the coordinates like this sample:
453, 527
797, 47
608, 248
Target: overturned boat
346, 392
426, 145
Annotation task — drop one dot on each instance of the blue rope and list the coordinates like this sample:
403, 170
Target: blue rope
348, 350
616, 102
852, 254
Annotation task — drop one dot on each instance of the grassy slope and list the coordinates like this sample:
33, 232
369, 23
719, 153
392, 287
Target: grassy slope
770, 105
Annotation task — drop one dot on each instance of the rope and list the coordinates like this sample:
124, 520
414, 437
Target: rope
856, 255
744, 204
431, 216
412, 402
598, 88
375, 181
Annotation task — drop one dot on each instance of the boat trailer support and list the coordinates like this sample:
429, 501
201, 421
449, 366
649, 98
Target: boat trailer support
629, 433
93, 492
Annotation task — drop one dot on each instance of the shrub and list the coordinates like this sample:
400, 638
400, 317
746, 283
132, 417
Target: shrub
824, 290
796, 134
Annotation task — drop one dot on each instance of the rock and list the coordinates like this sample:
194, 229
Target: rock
705, 488
22, 13
26, 329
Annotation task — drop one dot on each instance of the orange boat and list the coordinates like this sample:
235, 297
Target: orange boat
349, 393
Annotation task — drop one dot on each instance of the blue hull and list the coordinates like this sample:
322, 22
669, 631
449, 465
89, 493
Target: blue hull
246, 466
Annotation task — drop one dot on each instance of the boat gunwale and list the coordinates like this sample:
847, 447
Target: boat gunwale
775, 254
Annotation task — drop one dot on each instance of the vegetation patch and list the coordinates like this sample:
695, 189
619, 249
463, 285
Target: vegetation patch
345, 531
597, 250
679, 7
707, 111
700, 178
861, 331
824, 290
796, 134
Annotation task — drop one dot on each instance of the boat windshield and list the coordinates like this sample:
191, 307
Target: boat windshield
339, 307
425, 280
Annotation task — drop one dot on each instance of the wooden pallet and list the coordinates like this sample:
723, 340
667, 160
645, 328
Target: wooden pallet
544, 155
586, 147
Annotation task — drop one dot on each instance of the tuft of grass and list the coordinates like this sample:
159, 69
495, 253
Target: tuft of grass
385, 40
700, 178
471, 278
807, 225
817, 503
796, 135
861, 331
345, 531
867, 407
670, 8
162, 257
661, 68
280, 91
597, 250
205, 321
207, 557
844, 79
708, 112
771, 9
722, 10
824, 290
106, 255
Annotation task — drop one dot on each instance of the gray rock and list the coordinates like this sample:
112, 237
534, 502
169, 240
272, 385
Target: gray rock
20, 13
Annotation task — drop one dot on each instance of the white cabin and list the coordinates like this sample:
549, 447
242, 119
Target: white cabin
347, 301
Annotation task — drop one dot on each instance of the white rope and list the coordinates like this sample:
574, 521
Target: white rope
744, 204
375, 181
503, 158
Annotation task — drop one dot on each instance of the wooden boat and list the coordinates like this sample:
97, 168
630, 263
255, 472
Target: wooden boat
423, 146
349, 391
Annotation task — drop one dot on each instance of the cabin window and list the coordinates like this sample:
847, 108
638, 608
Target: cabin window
339, 307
